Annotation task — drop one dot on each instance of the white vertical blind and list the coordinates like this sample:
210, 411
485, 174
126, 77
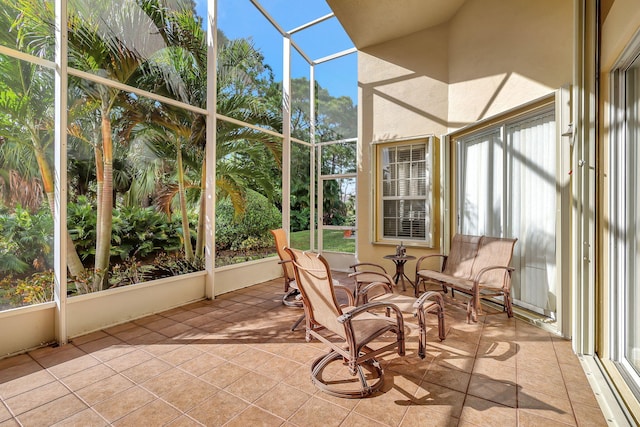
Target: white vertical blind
507, 178
531, 159
481, 196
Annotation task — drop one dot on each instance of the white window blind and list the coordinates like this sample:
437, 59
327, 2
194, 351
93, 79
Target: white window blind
405, 187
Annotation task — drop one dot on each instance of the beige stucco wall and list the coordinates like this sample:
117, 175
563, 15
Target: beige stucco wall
403, 92
504, 53
492, 56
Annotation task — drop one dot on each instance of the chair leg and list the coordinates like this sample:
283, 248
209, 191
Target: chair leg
441, 327
507, 304
366, 387
295, 325
422, 338
472, 310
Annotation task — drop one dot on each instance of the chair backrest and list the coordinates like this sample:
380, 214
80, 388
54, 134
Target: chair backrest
461, 256
313, 277
493, 251
280, 236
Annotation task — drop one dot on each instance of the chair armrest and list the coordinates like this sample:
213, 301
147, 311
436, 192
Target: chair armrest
383, 276
347, 291
422, 258
386, 288
355, 267
476, 279
347, 317
430, 295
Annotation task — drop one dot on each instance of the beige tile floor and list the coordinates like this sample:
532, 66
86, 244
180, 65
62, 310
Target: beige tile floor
233, 361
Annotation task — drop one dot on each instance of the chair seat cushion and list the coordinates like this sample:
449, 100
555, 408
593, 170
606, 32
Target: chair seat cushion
455, 282
367, 325
369, 277
404, 302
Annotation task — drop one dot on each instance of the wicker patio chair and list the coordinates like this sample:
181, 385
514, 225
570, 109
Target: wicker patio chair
379, 286
349, 331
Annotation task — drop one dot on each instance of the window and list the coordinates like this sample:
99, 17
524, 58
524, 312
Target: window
404, 186
625, 213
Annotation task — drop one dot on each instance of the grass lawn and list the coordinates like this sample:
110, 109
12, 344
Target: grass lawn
333, 240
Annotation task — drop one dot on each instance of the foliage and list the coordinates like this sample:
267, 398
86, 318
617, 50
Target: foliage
37, 288
250, 231
130, 272
25, 240
174, 264
137, 232
300, 218
127, 152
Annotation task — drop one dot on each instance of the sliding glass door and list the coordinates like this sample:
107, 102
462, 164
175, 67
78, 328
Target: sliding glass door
508, 188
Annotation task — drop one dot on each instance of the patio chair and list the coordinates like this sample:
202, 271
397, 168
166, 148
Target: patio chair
365, 273
379, 286
290, 286
291, 297
350, 332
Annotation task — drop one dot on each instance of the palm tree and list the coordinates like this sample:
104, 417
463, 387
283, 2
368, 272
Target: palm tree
96, 46
26, 99
239, 81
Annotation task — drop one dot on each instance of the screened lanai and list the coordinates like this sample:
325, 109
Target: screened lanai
147, 147
172, 174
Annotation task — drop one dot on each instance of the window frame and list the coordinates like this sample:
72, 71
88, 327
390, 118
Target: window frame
378, 147
623, 161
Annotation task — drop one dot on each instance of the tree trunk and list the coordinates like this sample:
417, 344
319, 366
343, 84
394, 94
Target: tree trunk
201, 213
105, 208
74, 264
186, 232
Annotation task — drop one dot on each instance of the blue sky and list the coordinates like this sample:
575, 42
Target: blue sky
239, 18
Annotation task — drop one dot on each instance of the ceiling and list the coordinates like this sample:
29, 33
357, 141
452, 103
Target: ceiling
370, 22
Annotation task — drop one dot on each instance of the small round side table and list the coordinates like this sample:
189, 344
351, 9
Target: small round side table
400, 261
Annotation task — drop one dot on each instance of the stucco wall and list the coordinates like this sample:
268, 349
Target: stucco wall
505, 53
403, 92
492, 56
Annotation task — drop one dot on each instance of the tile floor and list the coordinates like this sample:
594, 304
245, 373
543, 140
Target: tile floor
233, 361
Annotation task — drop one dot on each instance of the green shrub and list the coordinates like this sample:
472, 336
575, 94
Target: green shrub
37, 288
25, 240
250, 232
136, 231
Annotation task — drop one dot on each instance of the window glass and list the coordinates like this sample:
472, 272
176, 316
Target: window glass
632, 289
27, 26
405, 191
338, 158
301, 225
26, 183
508, 186
249, 66
160, 49
248, 205
135, 189
300, 92
336, 99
